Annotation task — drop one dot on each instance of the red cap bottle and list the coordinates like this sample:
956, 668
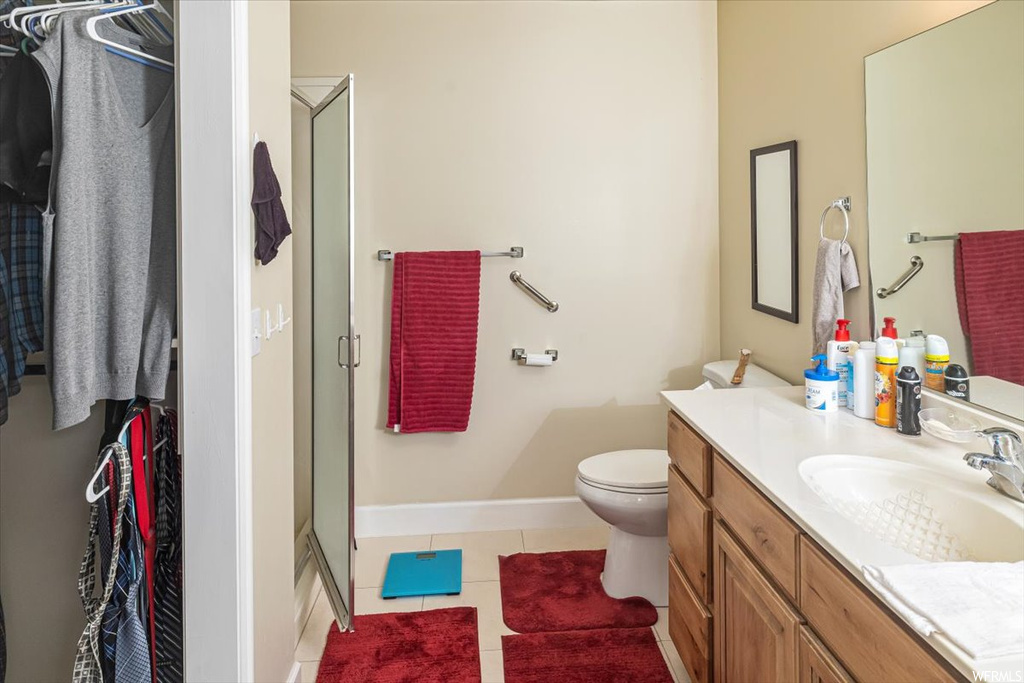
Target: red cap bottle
890, 328
842, 334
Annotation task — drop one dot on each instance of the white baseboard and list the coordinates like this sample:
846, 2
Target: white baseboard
420, 519
295, 673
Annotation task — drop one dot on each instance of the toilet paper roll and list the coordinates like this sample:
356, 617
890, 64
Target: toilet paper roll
538, 359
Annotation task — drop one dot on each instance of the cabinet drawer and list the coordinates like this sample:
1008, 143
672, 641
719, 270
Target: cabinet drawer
690, 453
689, 533
838, 608
689, 626
816, 663
767, 533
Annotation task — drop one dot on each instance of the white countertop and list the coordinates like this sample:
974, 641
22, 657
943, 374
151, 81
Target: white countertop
767, 433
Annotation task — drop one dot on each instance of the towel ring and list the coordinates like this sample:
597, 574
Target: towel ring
843, 204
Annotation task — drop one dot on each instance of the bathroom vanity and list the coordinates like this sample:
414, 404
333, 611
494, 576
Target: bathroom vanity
773, 510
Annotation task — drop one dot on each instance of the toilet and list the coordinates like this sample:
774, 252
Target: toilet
629, 490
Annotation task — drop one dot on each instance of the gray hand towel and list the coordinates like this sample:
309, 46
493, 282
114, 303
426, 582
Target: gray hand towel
835, 272
271, 222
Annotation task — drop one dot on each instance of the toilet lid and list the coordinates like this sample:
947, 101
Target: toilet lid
640, 469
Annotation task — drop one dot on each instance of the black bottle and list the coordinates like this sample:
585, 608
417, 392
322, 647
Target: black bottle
958, 383
908, 401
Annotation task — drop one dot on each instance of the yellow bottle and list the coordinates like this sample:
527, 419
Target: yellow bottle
936, 358
887, 359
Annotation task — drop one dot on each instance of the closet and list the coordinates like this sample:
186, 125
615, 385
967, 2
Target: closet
91, 574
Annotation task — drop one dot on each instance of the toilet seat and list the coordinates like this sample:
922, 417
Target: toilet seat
662, 490
639, 472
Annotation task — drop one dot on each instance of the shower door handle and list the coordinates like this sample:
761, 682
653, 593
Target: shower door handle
359, 351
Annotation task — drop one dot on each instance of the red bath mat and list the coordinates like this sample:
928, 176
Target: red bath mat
562, 592
614, 655
437, 646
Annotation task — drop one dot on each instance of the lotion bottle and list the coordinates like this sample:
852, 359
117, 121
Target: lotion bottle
821, 386
863, 381
838, 359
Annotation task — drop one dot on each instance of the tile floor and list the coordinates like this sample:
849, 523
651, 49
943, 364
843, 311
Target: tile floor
480, 589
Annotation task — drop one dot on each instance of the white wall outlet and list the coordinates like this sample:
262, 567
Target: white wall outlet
257, 330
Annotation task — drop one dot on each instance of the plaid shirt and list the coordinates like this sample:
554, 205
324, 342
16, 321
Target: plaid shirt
21, 294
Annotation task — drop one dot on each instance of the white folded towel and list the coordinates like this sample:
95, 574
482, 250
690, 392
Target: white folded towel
977, 605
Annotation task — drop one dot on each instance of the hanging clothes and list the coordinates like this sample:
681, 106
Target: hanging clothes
110, 227
167, 604
87, 659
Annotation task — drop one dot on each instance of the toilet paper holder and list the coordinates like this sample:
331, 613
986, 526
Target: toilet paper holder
519, 355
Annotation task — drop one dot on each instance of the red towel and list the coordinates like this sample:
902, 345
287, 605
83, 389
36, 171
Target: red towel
435, 312
989, 277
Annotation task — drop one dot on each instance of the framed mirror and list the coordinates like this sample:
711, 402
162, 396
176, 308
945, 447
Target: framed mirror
945, 153
773, 231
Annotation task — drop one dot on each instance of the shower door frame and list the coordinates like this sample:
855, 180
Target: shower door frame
342, 606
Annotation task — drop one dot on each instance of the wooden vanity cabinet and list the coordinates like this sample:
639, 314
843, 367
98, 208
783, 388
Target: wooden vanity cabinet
753, 598
815, 663
756, 630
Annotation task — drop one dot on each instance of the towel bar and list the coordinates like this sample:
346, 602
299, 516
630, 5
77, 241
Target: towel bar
916, 264
915, 237
514, 252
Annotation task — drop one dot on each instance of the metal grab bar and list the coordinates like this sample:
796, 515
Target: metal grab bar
916, 264
547, 303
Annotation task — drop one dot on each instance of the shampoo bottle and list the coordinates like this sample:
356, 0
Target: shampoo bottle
838, 359
821, 386
886, 360
936, 358
863, 381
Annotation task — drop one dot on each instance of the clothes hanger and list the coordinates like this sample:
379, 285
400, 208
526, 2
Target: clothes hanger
134, 409
124, 50
18, 16
48, 19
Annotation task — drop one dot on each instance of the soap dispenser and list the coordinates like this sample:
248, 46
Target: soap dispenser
822, 386
840, 351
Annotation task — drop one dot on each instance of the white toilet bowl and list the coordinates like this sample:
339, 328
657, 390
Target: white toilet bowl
629, 490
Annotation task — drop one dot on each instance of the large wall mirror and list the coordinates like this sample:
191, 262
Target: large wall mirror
945, 152
773, 230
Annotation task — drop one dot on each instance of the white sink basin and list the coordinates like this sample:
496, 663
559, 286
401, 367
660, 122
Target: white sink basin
914, 509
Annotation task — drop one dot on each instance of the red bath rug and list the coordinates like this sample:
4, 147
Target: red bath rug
614, 655
437, 646
562, 592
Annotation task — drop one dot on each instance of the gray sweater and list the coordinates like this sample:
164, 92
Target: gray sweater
109, 254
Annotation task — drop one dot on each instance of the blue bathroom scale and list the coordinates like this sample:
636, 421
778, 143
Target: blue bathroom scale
431, 572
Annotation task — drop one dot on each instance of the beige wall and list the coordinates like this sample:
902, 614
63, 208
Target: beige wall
584, 132
795, 70
273, 533
44, 524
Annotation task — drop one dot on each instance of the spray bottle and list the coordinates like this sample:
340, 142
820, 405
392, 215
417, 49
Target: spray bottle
887, 358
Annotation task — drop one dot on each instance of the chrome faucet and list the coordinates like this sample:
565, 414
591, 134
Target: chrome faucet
1006, 463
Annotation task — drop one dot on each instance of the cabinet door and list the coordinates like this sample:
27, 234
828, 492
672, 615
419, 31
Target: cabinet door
689, 533
817, 665
756, 630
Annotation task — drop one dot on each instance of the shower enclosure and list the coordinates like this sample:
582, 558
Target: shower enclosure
332, 345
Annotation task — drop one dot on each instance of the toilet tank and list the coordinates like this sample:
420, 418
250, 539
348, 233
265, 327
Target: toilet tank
720, 373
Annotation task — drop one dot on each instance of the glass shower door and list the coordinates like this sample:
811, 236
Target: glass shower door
335, 349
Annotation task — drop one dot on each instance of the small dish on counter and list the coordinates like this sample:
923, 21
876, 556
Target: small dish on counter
943, 423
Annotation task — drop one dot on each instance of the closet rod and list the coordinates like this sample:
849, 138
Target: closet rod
40, 369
